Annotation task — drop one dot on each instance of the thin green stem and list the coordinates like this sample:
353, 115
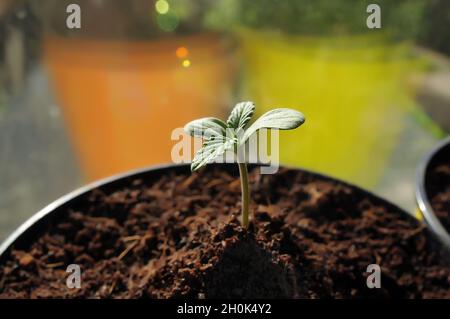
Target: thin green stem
245, 193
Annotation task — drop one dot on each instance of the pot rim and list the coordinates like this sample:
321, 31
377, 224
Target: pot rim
421, 196
65, 199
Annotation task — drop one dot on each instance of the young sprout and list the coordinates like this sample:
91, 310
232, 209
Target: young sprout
220, 137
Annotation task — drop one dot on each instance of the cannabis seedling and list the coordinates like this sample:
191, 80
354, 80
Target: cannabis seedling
220, 137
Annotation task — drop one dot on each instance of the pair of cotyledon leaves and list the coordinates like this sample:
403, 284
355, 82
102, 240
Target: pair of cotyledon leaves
220, 137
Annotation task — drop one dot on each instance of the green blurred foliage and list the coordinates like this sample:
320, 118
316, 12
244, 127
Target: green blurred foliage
435, 31
119, 19
400, 18
425, 20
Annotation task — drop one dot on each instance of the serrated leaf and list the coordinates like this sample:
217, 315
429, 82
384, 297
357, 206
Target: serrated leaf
241, 115
211, 149
281, 119
206, 127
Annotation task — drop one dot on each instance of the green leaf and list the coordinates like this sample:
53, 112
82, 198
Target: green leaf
211, 149
206, 127
281, 119
241, 115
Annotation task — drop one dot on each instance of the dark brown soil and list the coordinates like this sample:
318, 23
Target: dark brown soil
179, 236
438, 187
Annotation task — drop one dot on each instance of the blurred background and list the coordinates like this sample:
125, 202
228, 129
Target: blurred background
81, 104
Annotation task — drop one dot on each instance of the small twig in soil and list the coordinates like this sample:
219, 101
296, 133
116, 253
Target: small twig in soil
112, 287
55, 265
127, 250
131, 238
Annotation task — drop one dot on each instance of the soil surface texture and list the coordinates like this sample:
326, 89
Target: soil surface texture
179, 236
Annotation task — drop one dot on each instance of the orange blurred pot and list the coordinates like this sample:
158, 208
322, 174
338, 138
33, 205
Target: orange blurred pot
122, 99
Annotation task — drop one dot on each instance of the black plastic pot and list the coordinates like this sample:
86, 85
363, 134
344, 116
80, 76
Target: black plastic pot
34, 226
421, 192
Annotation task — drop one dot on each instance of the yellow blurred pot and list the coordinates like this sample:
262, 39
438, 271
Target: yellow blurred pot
352, 91
122, 99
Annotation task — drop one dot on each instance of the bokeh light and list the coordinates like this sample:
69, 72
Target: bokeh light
186, 63
162, 6
182, 52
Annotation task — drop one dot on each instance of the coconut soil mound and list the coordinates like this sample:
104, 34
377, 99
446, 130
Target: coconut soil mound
179, 237
438, 187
